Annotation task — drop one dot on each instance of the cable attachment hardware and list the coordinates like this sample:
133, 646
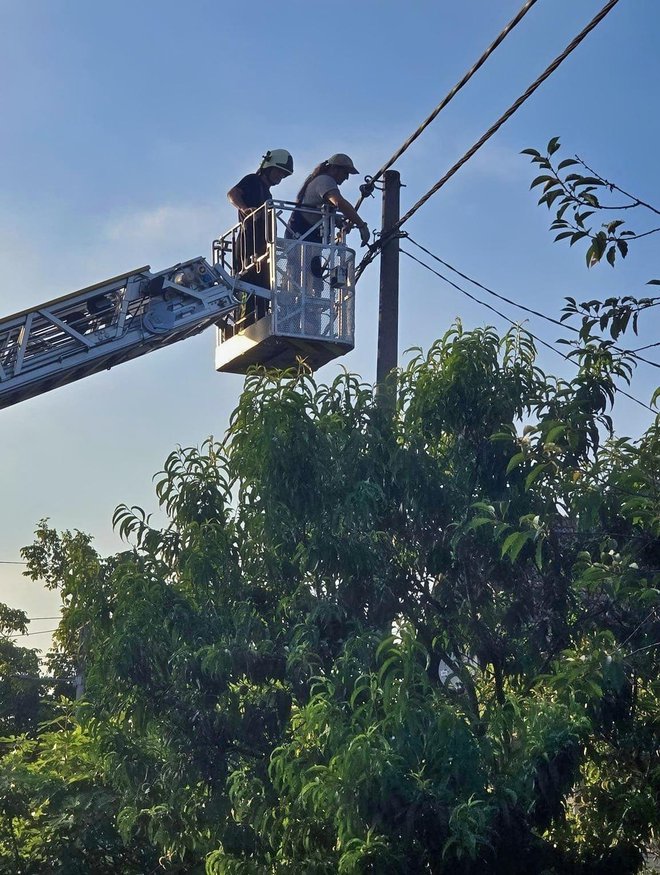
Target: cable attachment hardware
383, 237
367, 187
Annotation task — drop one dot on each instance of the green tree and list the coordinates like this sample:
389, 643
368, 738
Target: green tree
361, 644
20, 685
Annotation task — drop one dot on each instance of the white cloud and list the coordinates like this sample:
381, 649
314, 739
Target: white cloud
498, 161
160, 225
162, 235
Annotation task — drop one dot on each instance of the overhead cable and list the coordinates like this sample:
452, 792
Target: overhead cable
630, 352
483, 303
486, 289
447, 99
25, 634
41, 679
648, 346
373, 250
512, 109
34, 619
512, 322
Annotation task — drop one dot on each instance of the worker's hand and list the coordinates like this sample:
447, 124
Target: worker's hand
365, 234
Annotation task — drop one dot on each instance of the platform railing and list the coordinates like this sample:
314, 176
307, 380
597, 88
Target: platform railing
309, 277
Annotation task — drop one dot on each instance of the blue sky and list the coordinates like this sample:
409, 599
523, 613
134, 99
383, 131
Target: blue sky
124, 124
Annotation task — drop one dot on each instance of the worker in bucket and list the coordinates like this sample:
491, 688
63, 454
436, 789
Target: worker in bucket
250, 250
306, 261
322, 187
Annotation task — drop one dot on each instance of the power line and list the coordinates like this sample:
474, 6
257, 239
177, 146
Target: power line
43, 679
373, 250
12, 562
520, 306
511, 322
648, 346
34, 619
486, 289
640, 649
483, 303
26, 634
513, 108
449, 97
637, 628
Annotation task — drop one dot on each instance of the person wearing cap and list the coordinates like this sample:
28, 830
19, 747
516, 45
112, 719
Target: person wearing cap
247, 196
322, 187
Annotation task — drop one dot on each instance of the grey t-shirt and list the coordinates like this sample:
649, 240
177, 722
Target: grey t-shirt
315, 195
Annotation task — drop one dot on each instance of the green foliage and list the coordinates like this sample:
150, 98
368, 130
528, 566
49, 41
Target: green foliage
23, 699
365, 644
580, 197
57, 810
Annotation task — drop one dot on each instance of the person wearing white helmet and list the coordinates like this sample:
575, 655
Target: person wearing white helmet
248, 195
322, 187
254, 189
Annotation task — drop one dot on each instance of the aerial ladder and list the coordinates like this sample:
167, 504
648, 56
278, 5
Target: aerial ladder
308, 283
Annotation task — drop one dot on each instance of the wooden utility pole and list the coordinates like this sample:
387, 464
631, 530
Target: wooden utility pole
388, 307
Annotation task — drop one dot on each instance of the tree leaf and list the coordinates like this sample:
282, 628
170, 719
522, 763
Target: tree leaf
514, 543
553, 145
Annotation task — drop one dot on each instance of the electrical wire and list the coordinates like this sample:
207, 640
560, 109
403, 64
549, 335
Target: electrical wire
34, 619
42, 679
374, 249
648, 346
483, 303
511, 322
486, 289
449, 97
26, 634
637, 628
513, 108
12, 562
526, 309
640, 649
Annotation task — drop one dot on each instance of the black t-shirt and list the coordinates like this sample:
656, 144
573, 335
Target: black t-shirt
255, 192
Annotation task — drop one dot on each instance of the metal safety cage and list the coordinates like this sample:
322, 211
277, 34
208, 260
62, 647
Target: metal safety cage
310, 280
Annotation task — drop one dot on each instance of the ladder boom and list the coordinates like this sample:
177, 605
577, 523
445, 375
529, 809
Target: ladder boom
103, 325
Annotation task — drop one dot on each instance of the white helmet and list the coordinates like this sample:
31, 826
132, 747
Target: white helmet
279, 158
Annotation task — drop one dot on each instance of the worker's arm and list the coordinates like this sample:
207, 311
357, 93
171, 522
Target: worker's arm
346, 209
237, 199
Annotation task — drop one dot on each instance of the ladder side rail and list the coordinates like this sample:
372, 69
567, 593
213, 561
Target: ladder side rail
63, 321
52, 327
141, 322
74, 298
133, 341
